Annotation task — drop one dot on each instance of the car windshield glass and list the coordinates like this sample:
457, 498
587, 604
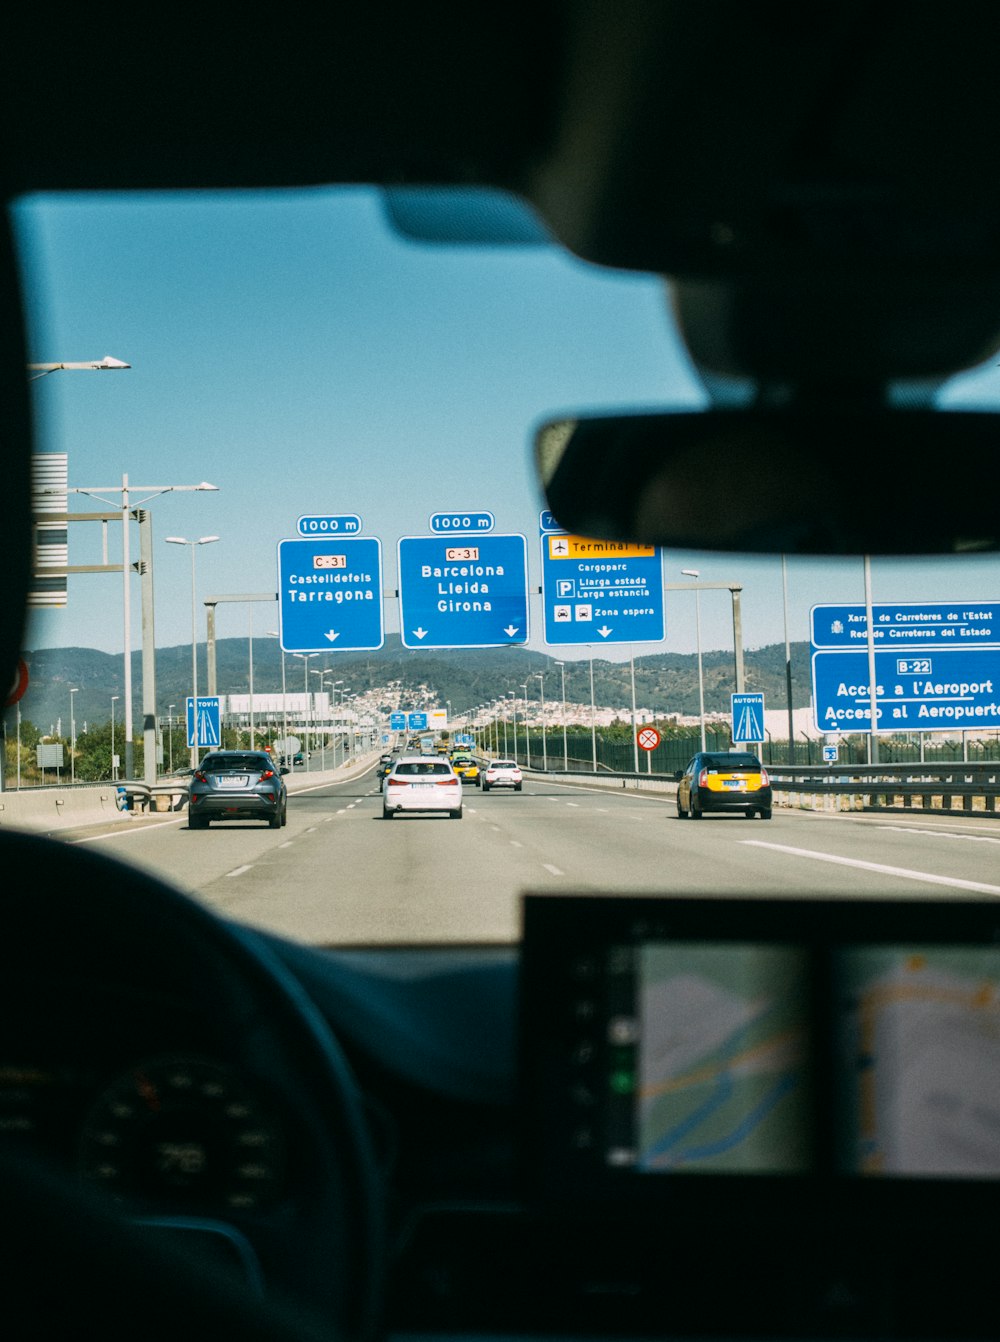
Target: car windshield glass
219, 763
323, 449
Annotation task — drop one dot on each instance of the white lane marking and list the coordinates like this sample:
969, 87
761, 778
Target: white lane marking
287, 844
117, 834
904, 872
495, 829
514, 843
941, 834
238, 871
574, 803
553, 871
310, 830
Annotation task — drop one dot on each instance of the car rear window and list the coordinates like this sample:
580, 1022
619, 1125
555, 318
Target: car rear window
419, 768
247, 763
733, 763
504, 764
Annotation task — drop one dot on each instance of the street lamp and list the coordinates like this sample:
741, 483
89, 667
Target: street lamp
114, 765
696, 573
305, 715
273, 633
72, 738
202, 540
513, 701
108, 363
540, 677
562, 669
129, 512
170, 737
527, 734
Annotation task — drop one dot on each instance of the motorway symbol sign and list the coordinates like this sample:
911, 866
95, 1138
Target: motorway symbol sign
648, 738
748, 717
942, 689
397, 722
209, 720
344, 524
463, 591
830, 754
330, 594
417, 722
601, 591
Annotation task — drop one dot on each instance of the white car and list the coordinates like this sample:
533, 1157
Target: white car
502, 773
422, 783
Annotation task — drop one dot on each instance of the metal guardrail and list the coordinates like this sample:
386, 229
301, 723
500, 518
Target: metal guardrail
876, 787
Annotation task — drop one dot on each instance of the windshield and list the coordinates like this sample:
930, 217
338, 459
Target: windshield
323, 444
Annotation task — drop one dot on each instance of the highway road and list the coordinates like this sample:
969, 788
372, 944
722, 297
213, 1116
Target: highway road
338, 874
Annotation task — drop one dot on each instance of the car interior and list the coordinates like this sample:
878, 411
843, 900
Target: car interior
459, 1151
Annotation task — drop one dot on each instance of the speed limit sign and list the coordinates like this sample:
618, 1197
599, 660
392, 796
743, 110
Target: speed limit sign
648, 737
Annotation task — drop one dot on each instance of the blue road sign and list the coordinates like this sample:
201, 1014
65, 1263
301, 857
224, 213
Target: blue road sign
330, 594
416, 722
748, 717
830, 754
464, 739
397, 722
601, 591
930, 689
209, 720
908, 625
546, 522
463, 591
343, 524
448, 524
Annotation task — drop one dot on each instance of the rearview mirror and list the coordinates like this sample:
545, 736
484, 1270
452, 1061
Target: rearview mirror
816, 481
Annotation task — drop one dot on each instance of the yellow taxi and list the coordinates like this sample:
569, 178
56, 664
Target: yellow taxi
724, 780
465, 766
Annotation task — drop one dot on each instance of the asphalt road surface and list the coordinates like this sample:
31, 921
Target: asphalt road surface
338, 874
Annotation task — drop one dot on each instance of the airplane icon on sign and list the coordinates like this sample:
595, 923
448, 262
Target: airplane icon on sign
558, 546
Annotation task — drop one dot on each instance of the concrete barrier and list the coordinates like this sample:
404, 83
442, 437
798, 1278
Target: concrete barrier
59, 808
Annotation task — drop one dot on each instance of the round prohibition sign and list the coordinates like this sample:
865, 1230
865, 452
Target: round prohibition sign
19, 684
648, 738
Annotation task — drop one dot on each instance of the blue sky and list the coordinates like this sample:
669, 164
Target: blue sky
292, 350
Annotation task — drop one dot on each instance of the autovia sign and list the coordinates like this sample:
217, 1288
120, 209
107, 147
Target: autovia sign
937, 666
330, 594
463, 591
601, 591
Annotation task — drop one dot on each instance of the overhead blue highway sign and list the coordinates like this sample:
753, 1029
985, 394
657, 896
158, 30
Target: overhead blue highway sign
748, 717
397, 722
209, 720
463, 591
330, 594
601, 591
933, 689
417, 722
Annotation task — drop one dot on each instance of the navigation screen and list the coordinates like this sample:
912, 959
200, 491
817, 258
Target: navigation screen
921, 1060
721, 1058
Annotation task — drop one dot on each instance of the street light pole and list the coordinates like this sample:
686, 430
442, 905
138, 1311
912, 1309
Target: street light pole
593, 718
73, 738
202, 540
696, 573
107, 364
170, 736
527, 731
305, 714
562, 669
540, 677
513, 702
114, 766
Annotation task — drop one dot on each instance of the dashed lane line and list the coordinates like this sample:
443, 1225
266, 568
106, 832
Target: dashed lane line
238, 871
553, 871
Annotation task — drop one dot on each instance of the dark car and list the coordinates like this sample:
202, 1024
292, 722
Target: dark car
728, 780
237, 785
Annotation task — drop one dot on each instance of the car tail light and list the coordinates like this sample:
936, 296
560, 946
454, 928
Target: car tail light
200, 777
445, 782
764, 780
703, 778
268, 773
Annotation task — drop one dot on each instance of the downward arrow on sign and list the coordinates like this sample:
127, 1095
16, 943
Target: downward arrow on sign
331, 634
604, 631
420, 633
511, 630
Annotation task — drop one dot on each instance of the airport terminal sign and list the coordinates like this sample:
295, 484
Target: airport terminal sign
937, 667
597, 591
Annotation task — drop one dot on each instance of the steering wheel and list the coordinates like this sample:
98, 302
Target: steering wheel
77, 927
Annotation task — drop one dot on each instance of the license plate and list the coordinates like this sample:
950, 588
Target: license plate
736, 783
237, 780
423, 787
